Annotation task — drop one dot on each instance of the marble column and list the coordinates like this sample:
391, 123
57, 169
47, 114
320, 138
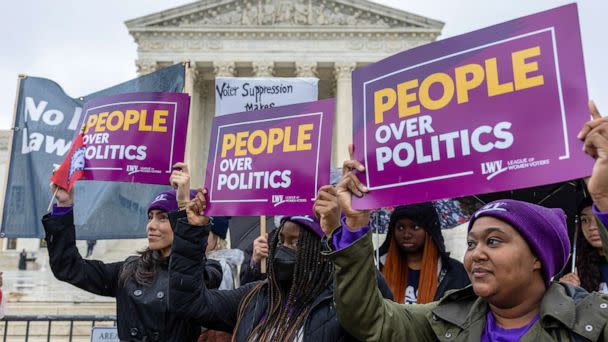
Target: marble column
205, 85
343, 120
223, 69
193, 153
207, 90
145, 66
263, 69
306, 69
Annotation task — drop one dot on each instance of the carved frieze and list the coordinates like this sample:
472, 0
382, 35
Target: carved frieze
255, 41
284, 13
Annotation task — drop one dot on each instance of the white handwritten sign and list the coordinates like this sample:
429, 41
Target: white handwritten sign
242, 94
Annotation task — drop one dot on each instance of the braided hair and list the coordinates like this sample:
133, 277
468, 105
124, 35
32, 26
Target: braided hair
286, 311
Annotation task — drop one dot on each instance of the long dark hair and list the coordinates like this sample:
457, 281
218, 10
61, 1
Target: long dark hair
587, 257
144, 268
587, 262
286, 313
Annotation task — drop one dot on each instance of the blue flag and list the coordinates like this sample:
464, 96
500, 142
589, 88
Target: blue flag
46, 121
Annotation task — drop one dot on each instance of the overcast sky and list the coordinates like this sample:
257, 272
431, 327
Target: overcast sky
84, 45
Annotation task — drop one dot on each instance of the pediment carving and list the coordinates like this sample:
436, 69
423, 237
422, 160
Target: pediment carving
287, 13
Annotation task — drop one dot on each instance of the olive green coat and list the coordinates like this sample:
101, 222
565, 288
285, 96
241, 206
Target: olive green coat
459, 316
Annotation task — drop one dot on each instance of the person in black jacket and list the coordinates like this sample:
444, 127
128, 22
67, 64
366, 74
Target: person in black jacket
413, 258
140, 282
294, 302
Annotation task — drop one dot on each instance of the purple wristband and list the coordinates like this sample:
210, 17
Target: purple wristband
602, 216
60, 211
343, 238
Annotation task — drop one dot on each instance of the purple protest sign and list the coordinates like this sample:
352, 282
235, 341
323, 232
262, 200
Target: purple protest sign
135, 137
491, 110
269, 162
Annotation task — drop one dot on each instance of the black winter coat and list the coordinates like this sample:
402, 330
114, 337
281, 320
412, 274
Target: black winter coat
141, 311
218, 310
452, 276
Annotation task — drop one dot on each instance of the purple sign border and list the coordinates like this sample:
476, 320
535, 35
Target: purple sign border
324, 109
430, 53
179, 131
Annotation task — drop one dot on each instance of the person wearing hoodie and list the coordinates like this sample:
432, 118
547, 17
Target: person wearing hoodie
413, 258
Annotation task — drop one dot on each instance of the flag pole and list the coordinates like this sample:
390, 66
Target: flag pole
52, 198
20, 78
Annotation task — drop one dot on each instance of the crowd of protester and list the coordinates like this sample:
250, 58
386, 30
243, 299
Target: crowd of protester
321, 281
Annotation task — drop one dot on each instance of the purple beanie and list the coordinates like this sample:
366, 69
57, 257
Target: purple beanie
165, 201
309, 222
544, 229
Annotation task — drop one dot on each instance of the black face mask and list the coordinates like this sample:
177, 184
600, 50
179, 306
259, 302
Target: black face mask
284, 265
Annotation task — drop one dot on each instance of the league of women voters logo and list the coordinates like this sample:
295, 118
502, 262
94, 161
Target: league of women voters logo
495, 167
280, 199
132, 169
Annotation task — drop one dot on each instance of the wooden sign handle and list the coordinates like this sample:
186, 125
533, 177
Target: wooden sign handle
263, 233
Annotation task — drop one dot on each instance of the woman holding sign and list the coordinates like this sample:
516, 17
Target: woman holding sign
294, 302
140, 282
514, 251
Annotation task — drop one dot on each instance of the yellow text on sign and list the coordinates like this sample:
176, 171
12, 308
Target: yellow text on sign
466, 78
268, 141
127, 120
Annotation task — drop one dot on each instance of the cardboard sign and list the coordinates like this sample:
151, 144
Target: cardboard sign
269, 162
491, 110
